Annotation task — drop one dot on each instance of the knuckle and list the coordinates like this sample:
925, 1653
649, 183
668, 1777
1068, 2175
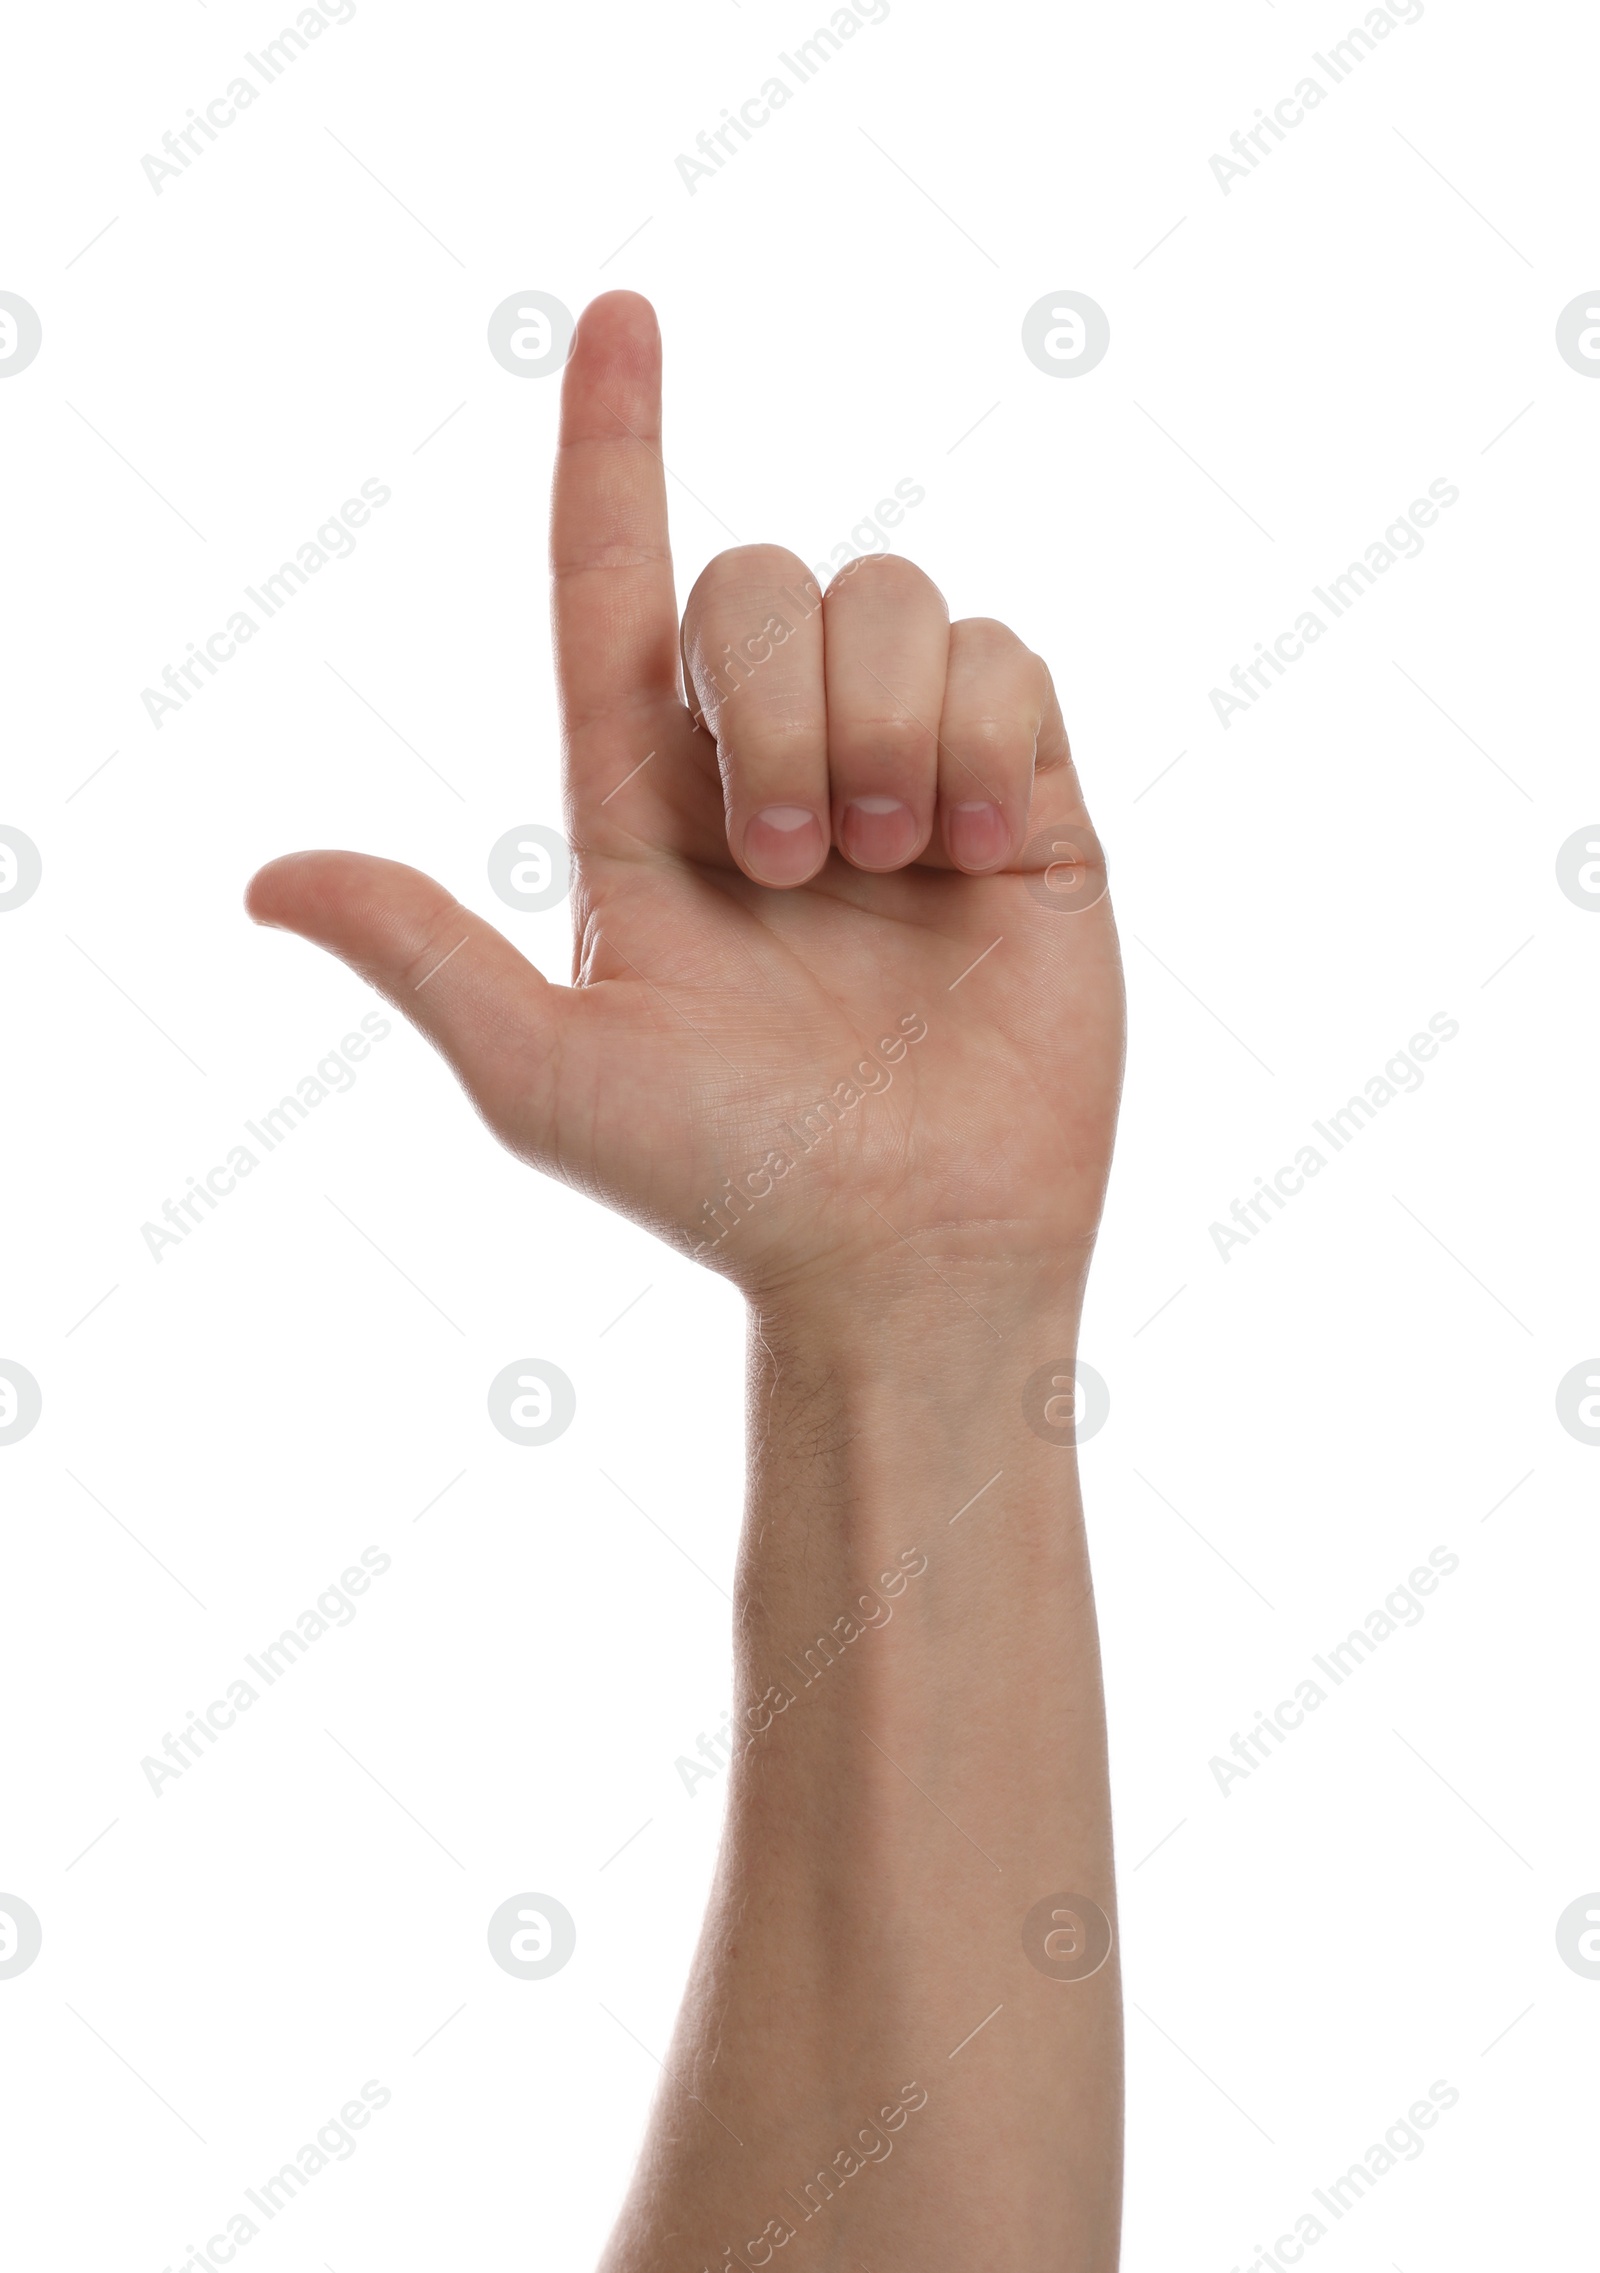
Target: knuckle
757, 568
597, 560
986, 637
757, 676
895, 743
779, 746
1005, 743
888, 575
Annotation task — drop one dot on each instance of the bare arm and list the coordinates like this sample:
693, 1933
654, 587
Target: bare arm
872, 2066
846, 1026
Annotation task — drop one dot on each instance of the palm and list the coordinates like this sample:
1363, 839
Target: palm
772, 1079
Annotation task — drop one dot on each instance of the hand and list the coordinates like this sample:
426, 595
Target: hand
845, 972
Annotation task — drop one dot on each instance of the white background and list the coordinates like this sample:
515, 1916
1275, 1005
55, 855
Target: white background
1371, 309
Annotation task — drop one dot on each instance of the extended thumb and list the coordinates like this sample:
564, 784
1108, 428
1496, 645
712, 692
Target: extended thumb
483, 1005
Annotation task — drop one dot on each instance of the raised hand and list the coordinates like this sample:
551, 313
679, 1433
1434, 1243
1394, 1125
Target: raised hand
847, 1024
845, 975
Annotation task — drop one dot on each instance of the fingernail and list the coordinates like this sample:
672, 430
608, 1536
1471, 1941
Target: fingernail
878, 832
978, 836
782, 844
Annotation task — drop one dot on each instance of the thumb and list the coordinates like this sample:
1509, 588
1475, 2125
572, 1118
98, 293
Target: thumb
483, 1006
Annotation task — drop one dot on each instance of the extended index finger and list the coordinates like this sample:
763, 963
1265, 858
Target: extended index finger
616, 621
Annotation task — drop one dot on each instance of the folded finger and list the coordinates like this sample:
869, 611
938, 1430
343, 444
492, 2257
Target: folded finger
995, 697
753, 657
887, 634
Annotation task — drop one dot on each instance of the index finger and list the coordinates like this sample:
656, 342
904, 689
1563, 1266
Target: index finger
615, 614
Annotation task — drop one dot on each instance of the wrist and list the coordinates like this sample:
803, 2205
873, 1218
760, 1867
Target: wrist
926, 1305
884, 1406
913, 1576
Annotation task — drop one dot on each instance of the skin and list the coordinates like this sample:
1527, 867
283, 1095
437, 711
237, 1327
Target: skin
854, 866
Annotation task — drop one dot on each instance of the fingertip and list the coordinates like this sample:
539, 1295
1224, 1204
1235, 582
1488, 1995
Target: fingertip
879, 834
277, 893
784, 846
616, 347
620, 314
977, 836
316, 893
261, 894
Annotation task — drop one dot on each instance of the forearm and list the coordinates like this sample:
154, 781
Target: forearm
797, 831
922, 1763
